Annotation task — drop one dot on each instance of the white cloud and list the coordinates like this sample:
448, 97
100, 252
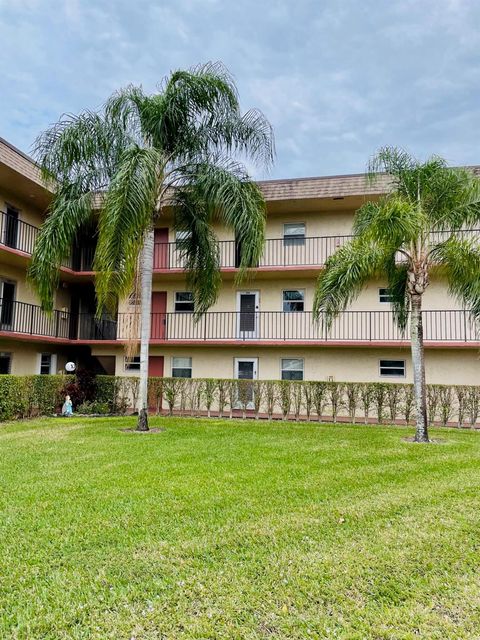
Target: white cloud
336, 79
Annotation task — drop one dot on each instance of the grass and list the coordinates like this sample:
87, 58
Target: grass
237, 530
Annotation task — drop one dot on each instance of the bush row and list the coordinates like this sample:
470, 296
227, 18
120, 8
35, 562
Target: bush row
26, 396
314, 400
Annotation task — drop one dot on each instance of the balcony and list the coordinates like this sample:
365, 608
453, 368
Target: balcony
288, 253
19, 237
277, 327
16, 234
357, 328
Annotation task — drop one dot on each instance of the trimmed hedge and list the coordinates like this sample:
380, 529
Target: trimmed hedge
26, 396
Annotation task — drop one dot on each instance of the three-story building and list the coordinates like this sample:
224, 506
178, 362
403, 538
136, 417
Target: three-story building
261, 329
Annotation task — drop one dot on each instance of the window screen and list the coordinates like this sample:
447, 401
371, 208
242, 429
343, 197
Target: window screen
45, 364
294, 234
132, 364
181, 367
293, 300
392, 368
184, 302
292, 369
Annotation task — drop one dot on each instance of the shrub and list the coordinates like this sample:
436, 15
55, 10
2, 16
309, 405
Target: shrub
106, 391
335, 395
25, 396
209, 392
270, 388
394, 395
379, 393
319, 394
285, 397
366, 397
81, 388
95, 407
408, 401
352, 392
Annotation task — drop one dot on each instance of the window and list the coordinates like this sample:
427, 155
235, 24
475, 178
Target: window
294, 234
184, 302
5, 362
292, 369
45, 364
293, 300
181, 235
133, 299
181, 367
384, 295
132, 364
392, 368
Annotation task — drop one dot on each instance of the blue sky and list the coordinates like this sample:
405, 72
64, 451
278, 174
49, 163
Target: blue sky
336, 78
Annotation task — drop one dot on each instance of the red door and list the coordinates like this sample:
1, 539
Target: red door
155, 366
160, 250
159, 315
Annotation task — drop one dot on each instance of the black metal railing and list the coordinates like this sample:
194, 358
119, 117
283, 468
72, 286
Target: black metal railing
455, 326
21, 236
278, 326
278, 252
21, 317
17, 234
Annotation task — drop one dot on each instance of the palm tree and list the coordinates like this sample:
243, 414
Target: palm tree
398, 237
178, 149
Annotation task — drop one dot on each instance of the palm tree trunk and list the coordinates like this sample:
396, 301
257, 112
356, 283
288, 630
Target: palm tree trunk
418, 361
146, 267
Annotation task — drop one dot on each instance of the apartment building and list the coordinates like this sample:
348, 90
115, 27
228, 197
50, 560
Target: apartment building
262, 329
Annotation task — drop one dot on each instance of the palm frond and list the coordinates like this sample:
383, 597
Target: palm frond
230, 196
346, 273
397, 274
80, 147
460, 259
198, 247
69, 211
392, 221
125, 217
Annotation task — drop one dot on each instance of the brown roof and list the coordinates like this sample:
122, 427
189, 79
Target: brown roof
274, 190
322, 187
19, 162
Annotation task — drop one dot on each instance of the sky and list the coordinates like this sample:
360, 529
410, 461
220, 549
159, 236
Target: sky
336, 78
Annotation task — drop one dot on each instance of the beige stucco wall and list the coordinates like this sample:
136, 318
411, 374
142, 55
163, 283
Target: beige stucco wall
27, 212
26, 356
24, 292
318, 223
443, 366
271, 291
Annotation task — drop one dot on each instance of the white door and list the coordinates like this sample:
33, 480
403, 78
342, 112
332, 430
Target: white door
247, 314
246, 369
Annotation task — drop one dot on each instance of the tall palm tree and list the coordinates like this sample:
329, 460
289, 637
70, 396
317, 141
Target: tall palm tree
180, 148
396, 237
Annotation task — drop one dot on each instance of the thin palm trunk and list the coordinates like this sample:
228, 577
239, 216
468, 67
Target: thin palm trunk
146, 267
418, 361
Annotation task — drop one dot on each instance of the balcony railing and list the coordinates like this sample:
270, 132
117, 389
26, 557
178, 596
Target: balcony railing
278, 252
278, 326
17, 234
21, 236
454, 326
30, 319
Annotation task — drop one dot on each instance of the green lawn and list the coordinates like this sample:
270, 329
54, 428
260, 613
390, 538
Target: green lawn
218, 529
